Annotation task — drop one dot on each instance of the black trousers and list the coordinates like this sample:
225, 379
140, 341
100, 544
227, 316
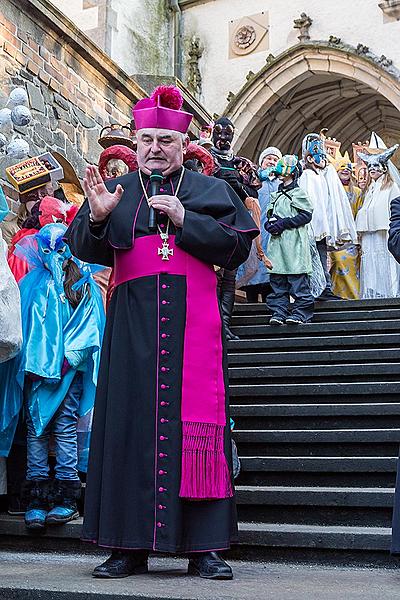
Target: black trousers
253, 291
297, 286
323, 254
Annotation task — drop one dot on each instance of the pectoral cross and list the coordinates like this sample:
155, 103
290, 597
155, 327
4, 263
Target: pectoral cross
165, 251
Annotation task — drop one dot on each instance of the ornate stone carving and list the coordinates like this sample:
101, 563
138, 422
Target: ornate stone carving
385, 62
230, 96
245, 37
195, 52
270, 59
335, 41
361, 49
391, 8
250, 75
303, 24
249, 34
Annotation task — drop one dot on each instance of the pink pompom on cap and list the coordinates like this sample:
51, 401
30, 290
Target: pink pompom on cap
163, 110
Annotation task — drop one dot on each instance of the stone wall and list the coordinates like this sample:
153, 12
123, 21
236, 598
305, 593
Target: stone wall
137, 34
74, 89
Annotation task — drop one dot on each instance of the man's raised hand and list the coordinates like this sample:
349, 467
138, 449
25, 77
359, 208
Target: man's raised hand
101, 201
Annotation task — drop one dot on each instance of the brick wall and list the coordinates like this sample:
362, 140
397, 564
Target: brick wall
74, 89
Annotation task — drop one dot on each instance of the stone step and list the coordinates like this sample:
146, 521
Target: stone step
326, 464
315, 536
349, 516
322, 357
324, 471
253, 534
332, 371
315, 410
307, 390
309, 342
335, 306
321, 436
317, 496
316, 329
323, 317
317, 422
286, 448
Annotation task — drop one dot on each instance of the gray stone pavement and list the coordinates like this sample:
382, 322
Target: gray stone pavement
52, 576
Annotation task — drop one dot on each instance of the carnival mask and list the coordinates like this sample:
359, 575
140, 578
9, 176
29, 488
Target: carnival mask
265, 174
223, 134
378, 162
313, 150
317, 153
53, 251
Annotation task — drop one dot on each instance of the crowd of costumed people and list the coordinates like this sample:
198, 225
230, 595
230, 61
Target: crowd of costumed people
323, 221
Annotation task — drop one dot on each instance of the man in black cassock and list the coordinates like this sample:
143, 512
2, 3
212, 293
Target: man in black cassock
160, 473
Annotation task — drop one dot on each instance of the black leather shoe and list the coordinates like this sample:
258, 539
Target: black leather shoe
209, 566
328, 295
230, 335
122, 564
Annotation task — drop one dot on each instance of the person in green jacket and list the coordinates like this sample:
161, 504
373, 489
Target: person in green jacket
289, 213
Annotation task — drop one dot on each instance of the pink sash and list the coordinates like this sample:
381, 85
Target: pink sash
205, 472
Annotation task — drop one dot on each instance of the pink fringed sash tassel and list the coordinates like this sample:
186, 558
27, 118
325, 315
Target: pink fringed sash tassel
205, 472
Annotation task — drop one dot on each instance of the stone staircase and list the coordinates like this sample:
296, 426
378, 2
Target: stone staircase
317, 414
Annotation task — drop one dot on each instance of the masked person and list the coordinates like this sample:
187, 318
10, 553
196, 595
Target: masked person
332, 222
289, 213
345, 264
245, 185
379, 272
160, 473
45, 211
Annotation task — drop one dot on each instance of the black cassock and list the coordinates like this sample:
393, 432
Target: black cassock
132, 494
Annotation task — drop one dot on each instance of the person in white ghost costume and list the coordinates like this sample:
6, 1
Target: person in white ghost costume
332, 224
379, 271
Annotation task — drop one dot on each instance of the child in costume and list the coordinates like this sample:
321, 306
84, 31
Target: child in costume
55, 373
332, 223
289, 248
345, 264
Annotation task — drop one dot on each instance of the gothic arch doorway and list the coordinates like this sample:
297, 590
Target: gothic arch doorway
312, 86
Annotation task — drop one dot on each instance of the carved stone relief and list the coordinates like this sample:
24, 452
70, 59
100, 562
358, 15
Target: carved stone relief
249, 34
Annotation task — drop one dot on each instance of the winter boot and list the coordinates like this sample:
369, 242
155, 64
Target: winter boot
66, 493
38, 507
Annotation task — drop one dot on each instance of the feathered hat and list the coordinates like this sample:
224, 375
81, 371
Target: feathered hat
163, 110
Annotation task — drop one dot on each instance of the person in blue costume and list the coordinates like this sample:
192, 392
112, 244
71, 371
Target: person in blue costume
55, 374
259, 282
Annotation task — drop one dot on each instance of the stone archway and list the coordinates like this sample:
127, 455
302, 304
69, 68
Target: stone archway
312, 86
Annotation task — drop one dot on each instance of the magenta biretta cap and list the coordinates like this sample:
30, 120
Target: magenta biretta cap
163, 110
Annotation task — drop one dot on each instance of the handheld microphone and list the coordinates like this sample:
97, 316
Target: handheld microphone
156, 178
